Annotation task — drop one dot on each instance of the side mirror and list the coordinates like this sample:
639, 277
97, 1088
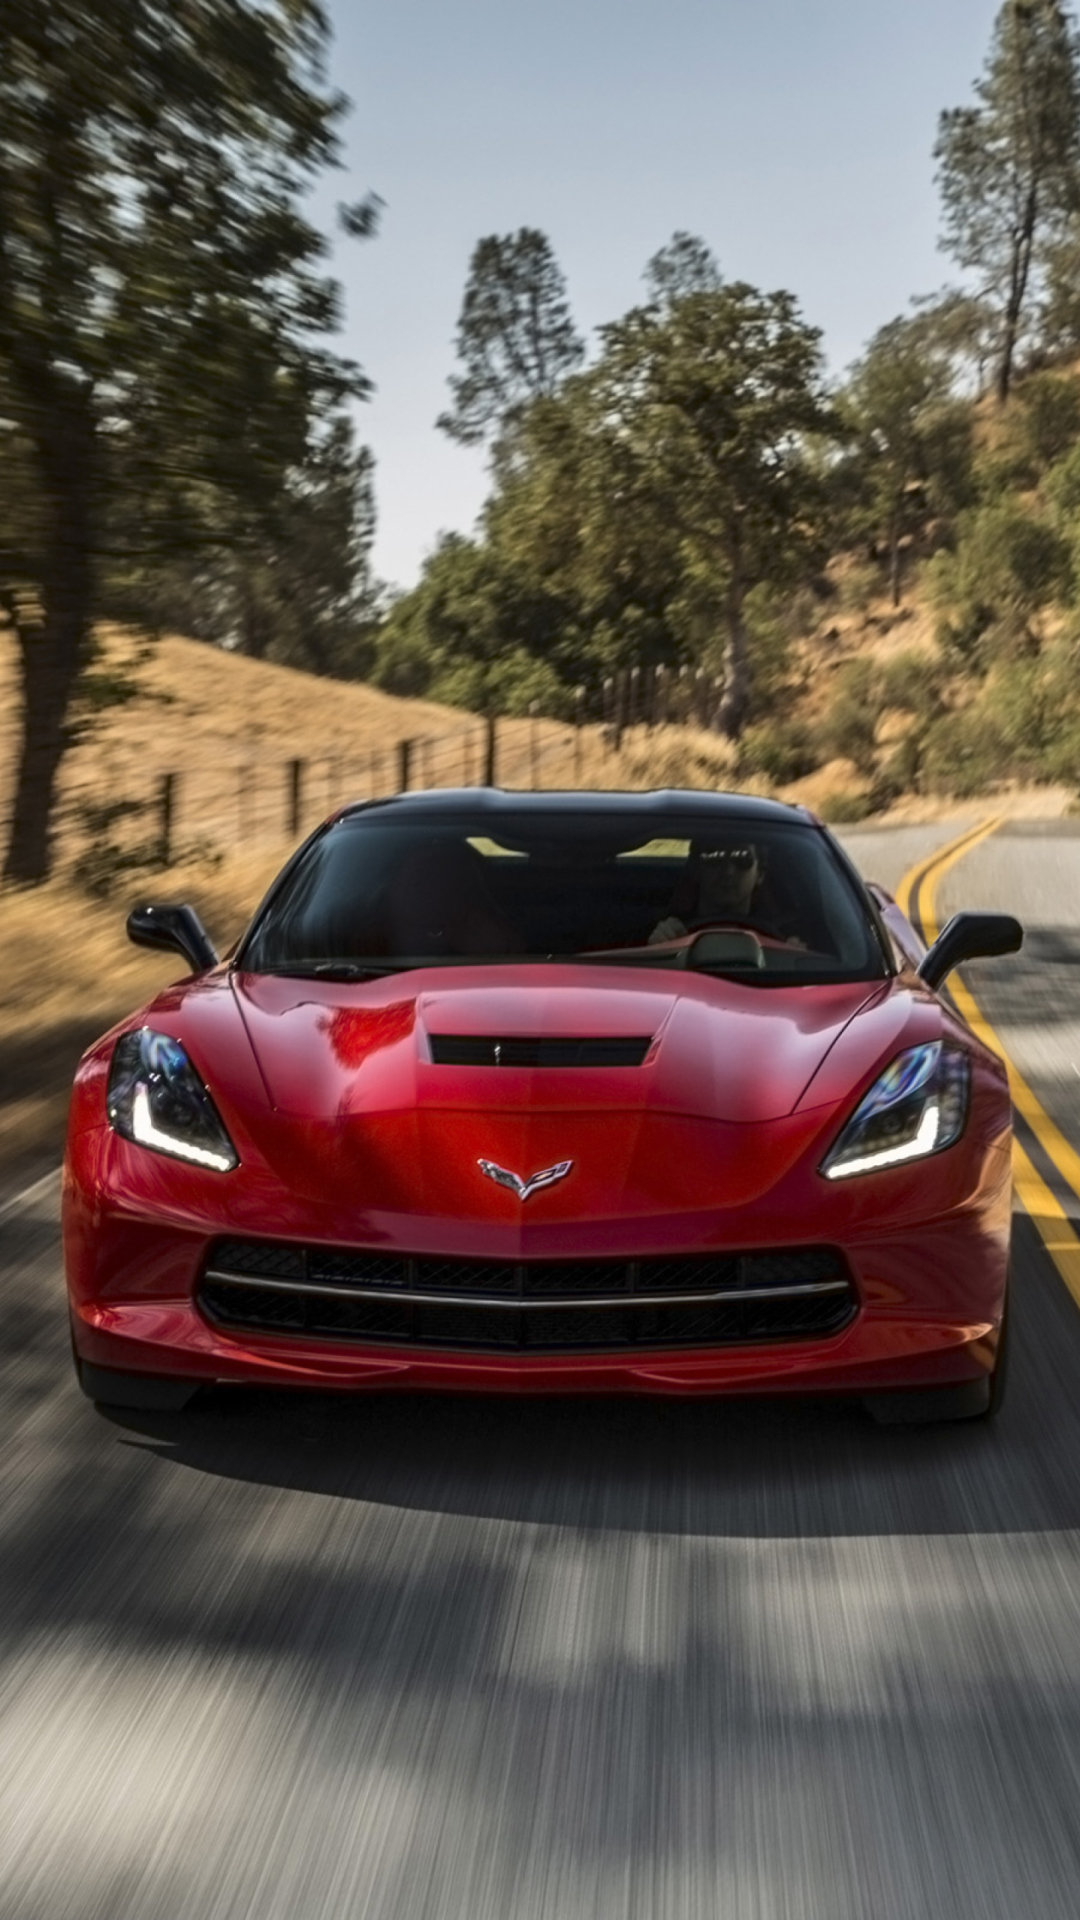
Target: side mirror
970, 936
178, 929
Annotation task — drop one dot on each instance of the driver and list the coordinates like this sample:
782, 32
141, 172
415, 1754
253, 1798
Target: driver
722, 884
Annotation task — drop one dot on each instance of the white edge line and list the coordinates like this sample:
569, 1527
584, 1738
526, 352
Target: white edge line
29, 1194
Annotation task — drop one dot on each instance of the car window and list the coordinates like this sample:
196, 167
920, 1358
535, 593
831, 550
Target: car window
770, 901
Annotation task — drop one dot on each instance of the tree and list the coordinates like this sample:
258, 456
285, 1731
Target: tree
160, 309
897, 396
718, 396
473, 633
685, 265
1009, 168
300, 593
960, 327
515, 336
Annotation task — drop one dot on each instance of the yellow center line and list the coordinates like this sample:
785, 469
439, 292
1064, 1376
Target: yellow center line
1049, 1216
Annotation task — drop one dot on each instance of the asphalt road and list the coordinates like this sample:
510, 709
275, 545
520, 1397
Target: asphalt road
302, 1659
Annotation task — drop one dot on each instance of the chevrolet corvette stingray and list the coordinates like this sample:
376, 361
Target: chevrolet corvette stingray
547, 1093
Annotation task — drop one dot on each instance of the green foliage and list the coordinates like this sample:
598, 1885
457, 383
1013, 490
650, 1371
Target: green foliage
684, 266
962, 754
781, 750
1009, 167
517, 683
657, 509
300, 592
472, 633
1062, 486
913, 453
850, 726
515, 336
162, 307
1050, 405
910, 682
846, 809
1009, 563
717, 396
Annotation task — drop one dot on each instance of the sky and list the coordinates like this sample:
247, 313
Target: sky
794, 136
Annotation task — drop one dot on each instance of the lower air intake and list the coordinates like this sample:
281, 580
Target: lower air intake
564, 1306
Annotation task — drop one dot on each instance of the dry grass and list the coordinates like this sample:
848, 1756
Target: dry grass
228, 728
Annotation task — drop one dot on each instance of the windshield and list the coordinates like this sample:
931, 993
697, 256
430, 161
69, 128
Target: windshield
770, 902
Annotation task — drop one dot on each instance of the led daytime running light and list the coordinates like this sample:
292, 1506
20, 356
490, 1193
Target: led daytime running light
924, 1142
157, 1099
916, 1107
142, 1126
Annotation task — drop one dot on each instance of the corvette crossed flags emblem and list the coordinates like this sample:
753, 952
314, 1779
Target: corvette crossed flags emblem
523, 1188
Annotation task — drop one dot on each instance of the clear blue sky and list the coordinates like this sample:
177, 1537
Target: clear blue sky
795, 136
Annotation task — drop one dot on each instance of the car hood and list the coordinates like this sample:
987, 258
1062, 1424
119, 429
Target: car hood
716, 1049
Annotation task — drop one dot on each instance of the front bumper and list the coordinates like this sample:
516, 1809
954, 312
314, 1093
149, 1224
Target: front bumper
927, 1249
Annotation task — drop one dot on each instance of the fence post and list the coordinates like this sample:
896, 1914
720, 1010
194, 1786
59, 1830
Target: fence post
533, 709
166, 816
659, 696
295, 797
243, 804
621, 689
489, 752
633, 703
579, 715
404, 748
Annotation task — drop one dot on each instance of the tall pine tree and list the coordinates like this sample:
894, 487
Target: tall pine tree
1009, 167
515, 337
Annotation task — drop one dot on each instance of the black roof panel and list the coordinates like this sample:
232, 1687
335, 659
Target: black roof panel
447, 802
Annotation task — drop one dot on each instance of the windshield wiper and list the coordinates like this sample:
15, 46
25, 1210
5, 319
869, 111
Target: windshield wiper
333, 969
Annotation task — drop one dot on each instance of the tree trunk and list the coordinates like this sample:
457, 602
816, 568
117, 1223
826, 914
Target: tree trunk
894, 558
53, 653
1018, 281
735, 698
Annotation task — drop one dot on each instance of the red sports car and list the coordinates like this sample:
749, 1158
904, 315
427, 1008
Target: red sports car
550, 1093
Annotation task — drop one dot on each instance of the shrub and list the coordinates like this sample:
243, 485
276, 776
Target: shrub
963, 753
780, 750
851, 723
844, 809
511, 685
912, 682
1051, 416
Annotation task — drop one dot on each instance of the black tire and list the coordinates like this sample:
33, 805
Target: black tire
137, 1392
926, 1406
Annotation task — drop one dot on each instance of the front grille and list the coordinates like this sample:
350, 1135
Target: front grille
478, 1050
532, 1306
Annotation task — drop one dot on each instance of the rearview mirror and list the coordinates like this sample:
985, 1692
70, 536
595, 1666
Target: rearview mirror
970, 936
176, 928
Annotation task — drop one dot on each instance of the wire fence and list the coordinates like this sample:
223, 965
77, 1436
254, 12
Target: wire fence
107, 822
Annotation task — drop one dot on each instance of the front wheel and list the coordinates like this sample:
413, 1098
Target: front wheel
926, 1406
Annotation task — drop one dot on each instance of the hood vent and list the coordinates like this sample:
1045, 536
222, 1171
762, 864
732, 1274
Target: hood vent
484, 1050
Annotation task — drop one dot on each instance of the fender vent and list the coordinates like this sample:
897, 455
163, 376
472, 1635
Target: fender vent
483, 1050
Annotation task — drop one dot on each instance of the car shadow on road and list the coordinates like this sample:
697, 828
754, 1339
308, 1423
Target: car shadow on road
765, 1468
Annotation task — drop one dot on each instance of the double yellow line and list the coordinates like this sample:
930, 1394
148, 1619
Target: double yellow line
916, 896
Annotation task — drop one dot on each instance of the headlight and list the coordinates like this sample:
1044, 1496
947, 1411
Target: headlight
917, 1107
156, 1098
